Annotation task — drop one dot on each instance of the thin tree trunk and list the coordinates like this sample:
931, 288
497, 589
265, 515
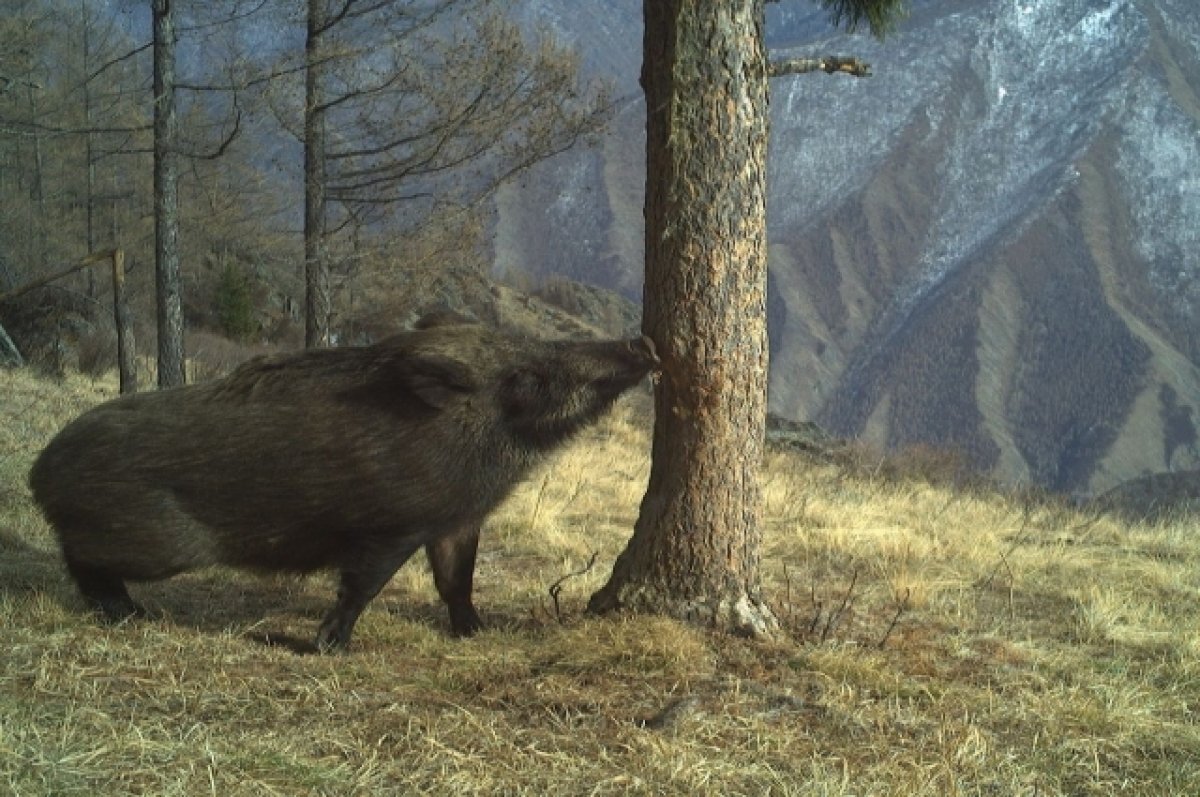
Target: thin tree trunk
126, 351
89, 149
695, 549
38, 189
316, 266
166, 201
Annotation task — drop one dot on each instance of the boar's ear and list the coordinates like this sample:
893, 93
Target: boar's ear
436, 379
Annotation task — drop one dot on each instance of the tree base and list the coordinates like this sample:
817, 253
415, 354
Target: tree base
738, 613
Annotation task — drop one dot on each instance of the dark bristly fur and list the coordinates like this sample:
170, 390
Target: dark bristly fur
350, 459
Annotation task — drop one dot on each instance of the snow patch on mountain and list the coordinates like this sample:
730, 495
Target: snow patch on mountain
1160, 162
1046, 86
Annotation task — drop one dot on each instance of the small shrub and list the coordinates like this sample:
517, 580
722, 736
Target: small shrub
920, 462
97, 352
235, 304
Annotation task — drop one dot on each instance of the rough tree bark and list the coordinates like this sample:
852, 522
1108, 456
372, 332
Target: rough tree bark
166, 201
695, 549
316, 266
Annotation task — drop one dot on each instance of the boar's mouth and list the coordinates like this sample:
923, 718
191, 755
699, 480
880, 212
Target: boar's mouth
638, 358
644, 348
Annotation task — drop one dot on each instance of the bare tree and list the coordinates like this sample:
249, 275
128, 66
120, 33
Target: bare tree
75, 106
22, 177
415, 111
418, 110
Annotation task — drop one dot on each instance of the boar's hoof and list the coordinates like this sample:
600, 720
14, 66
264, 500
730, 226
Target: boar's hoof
464, 621
333, 636
117, 610
104, 592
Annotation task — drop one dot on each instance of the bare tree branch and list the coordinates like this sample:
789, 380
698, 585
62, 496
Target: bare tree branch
234, 16
442, 132
256, 80
224, 145
29, 128
350, 11
378, 200
830, 64
95, 73
360, 92
7, 82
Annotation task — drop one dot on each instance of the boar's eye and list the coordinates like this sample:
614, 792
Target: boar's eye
522, 392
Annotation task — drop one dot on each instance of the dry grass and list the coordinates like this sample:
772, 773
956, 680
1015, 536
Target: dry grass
939, 643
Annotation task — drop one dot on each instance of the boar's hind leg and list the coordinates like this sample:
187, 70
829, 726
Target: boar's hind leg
452, 559
361, 579
104, 591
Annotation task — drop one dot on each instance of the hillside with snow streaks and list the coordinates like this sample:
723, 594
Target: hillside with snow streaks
990, 245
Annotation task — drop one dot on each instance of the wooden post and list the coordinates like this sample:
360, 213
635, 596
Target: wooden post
126, 362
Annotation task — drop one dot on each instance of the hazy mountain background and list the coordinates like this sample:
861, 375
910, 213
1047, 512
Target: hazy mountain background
990, 245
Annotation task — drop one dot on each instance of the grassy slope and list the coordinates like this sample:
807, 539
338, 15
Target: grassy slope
1037, 651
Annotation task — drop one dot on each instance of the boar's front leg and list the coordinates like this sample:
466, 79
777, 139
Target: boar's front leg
103, 590
365, 573
452, 559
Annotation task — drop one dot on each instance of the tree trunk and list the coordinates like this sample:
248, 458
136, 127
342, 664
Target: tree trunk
695, 549
38, 188
166, 201
126, 351
89, 148
316, 266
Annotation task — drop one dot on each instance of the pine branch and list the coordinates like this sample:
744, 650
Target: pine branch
881, 16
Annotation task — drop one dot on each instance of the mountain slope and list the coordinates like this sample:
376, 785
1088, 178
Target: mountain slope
990, 245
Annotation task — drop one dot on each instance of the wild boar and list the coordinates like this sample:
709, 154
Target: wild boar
348, 459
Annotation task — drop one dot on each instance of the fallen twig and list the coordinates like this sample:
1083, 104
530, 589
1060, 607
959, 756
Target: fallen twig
556, 587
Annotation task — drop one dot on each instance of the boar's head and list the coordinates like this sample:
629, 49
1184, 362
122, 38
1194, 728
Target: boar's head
545, 390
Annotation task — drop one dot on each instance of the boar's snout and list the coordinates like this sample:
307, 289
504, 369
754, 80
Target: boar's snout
643, 348
630, 361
